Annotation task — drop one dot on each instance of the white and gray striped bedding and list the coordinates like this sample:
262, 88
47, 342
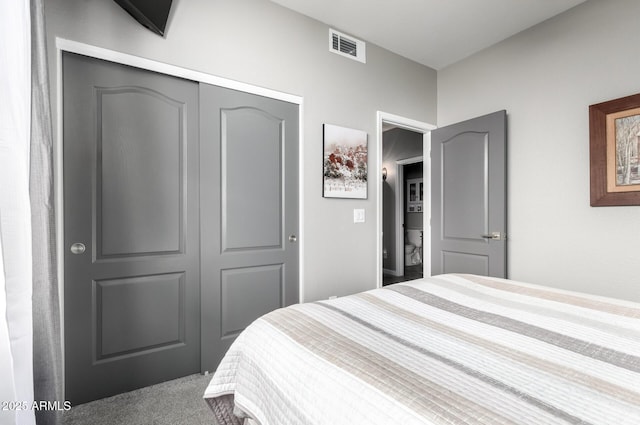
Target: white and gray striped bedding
452, 349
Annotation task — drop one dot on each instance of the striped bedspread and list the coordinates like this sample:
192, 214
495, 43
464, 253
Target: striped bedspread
452, 349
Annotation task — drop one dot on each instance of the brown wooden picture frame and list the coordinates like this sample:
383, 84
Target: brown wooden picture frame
605, 167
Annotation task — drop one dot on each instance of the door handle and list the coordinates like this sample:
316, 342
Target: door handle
495, 236
78, 248
293, 238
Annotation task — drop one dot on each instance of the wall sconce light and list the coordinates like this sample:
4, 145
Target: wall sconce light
384, 174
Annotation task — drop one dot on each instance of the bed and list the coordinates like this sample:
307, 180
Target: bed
450, 349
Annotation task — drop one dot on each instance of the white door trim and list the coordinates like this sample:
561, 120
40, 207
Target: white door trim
164, 68
418, 127
400, 211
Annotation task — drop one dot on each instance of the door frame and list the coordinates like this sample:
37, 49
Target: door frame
400, 202
418, 127
65, 45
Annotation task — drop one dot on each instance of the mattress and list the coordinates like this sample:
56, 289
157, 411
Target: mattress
450, 349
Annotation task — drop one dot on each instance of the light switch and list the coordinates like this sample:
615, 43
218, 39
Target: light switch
358, 215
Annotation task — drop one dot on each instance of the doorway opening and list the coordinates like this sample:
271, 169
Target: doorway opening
404, 233
403, 205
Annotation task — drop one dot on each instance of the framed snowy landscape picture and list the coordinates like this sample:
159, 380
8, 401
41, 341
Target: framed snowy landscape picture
614, 137
345, 162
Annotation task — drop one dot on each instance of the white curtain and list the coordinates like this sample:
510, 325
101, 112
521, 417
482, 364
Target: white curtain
47, 345
16, 328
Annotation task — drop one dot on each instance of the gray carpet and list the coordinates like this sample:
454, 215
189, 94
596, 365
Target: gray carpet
177, 402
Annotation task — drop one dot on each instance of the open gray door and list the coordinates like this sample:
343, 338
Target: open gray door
468, 195
249, 201
132, 270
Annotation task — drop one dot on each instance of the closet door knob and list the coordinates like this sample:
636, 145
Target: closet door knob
293, 238
78, 248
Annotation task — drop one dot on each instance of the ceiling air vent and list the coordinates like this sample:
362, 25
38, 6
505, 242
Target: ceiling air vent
346, 45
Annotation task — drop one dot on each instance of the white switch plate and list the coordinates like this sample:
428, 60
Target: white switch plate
358, 215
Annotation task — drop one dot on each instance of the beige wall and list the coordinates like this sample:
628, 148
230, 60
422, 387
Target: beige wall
260, 43
546, 78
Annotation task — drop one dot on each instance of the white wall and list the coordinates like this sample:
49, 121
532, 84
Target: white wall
261, 43
546, 78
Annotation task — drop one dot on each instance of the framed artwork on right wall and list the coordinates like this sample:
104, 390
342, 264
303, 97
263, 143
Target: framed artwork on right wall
614, 152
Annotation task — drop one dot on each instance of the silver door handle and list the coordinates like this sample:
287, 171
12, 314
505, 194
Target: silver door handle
293, 238
495, 236
78, 248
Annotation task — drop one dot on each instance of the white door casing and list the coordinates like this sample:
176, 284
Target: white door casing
418, 127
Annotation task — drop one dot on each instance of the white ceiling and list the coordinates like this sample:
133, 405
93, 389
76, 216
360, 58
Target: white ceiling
435, 33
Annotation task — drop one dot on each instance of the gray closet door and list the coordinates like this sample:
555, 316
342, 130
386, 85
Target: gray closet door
132, 306
249, 207
468, 195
